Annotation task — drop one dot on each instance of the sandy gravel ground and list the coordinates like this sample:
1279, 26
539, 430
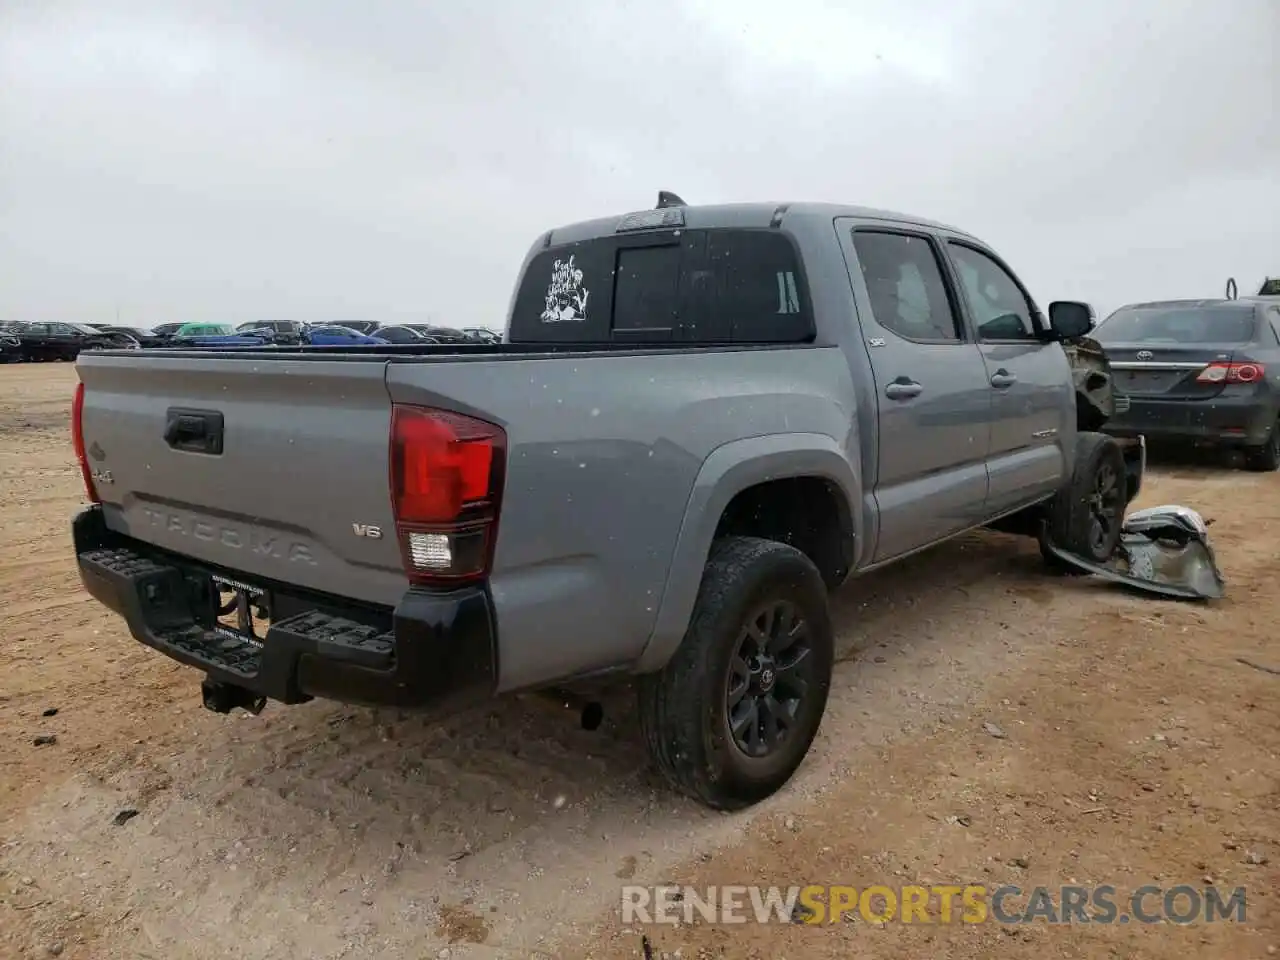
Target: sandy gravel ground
1136, 749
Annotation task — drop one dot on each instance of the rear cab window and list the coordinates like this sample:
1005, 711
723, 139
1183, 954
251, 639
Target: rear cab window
714, 285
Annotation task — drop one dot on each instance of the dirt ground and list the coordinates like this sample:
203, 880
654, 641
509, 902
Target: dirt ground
1136, 749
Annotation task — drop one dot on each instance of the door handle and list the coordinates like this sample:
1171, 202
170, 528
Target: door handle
903, 390
1003, 378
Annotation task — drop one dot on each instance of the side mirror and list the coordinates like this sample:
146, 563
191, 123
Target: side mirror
1069, 319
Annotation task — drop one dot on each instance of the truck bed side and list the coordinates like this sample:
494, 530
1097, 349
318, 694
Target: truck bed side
603, 455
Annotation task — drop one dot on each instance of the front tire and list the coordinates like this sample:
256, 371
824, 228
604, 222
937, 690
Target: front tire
1087, 516
732, 715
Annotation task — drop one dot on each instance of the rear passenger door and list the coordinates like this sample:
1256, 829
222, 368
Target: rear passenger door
1029, 379
933, 399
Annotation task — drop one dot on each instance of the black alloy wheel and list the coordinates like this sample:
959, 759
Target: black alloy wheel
1106, 508
770, 673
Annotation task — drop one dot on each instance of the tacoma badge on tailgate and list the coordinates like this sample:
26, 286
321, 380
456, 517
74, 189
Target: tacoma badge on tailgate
262, 544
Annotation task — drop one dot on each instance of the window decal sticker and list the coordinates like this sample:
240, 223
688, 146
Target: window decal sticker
566, 296
788, 298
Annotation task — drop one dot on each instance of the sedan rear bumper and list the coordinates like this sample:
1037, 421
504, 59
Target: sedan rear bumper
1229, 421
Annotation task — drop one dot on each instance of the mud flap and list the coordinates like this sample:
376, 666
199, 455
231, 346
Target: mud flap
1163, 550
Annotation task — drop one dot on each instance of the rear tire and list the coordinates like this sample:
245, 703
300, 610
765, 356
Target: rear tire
1086, 516
729, 719
1265, 458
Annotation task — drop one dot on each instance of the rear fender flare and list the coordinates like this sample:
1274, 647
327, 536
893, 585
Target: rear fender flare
728, 471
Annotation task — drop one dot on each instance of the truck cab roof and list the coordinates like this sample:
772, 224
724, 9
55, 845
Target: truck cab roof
676, 273
735, 215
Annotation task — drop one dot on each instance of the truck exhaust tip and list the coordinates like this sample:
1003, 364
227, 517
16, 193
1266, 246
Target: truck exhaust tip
590, 712
592, 716
225, 697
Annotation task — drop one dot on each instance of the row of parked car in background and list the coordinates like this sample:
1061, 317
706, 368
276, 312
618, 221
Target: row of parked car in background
23, 341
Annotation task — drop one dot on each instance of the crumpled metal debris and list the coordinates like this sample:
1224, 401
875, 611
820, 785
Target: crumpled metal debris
1096, 399
1163, 550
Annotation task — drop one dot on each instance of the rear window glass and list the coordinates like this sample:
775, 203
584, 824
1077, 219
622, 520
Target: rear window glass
1178, 325
756, 287
646, 292
738, 286
1270, 287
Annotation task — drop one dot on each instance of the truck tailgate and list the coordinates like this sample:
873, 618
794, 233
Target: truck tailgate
299, 473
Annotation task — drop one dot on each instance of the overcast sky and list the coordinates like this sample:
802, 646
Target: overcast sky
329, 160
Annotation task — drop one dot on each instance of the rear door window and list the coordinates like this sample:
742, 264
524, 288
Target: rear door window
905, 285
719, 285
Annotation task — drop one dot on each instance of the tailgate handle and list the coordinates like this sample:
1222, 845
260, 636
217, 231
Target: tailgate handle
195, 431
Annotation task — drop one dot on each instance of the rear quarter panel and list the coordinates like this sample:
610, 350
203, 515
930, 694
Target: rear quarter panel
604, 453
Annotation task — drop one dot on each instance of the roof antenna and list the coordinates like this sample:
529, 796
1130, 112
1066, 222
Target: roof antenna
1232, 289
668, 199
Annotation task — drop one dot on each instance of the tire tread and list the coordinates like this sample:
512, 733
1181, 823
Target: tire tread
675, 716
1067, 519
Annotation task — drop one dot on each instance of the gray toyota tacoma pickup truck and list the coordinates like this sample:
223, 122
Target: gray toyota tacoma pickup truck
700, 421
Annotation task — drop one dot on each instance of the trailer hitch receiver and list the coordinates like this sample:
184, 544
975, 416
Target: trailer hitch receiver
225, 697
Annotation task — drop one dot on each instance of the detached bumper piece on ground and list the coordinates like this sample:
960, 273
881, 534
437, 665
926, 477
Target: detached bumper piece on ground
1164, 551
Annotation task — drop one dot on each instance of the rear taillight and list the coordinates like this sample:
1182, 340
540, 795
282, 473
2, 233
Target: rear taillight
77, 441
446, 484
1231, 373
